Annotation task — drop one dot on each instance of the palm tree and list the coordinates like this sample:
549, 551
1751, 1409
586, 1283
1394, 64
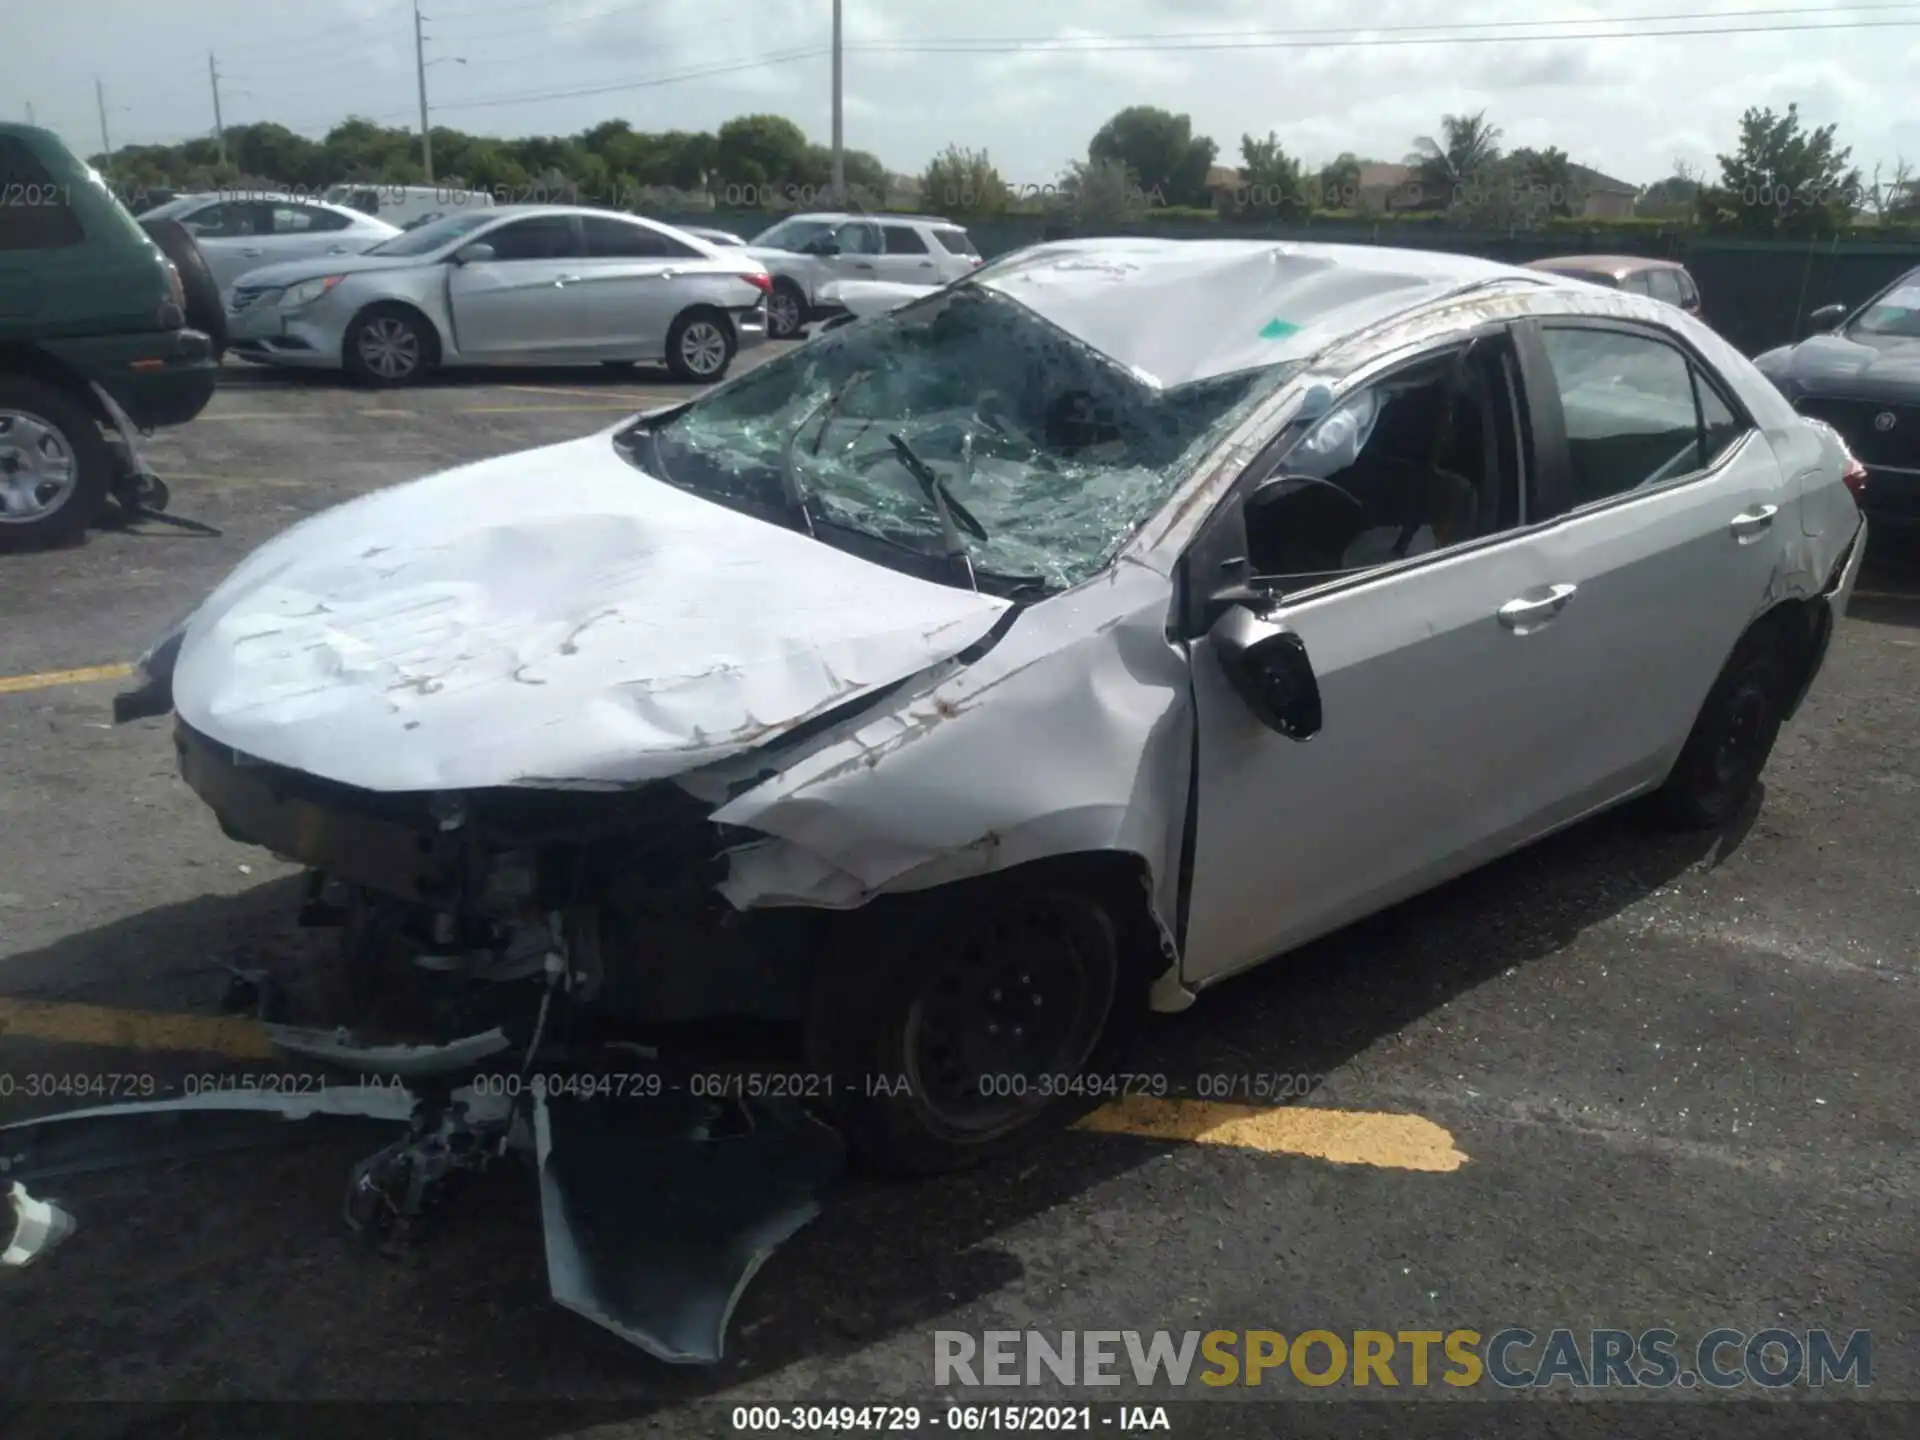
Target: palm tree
1472, 148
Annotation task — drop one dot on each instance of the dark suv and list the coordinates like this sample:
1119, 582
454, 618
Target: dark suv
94, 340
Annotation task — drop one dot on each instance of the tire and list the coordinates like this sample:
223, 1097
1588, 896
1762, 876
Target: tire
1732, 737
700, 347
205, 312
47, 429
786, 311
389, 346
903, 1005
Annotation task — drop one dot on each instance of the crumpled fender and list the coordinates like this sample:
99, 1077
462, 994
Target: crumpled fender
1072, 734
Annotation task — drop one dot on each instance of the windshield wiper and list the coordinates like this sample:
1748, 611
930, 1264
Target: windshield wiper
945, 504
791, 485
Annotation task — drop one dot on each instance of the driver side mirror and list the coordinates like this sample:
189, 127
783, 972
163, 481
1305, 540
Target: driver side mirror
1267, 666
475, 254
825, 245
1826, 317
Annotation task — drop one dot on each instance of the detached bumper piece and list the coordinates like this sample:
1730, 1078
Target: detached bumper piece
656, 1215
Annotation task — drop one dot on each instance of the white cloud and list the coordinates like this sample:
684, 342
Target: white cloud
1625, 106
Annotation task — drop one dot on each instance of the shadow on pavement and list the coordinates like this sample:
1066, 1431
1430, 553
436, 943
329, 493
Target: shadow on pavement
231, 1278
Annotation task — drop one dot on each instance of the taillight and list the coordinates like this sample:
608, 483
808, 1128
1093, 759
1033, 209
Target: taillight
176, 305
760, 281
1854, 475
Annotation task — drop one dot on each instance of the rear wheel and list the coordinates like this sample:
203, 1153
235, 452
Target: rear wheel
1732, 738
786, 311
700, 347
55, 467
952, 1028
389, 345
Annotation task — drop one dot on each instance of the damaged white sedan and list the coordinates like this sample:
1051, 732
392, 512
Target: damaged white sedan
953, 687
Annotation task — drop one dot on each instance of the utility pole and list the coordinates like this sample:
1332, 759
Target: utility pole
839, 131
100, 99
420, 70
219, 128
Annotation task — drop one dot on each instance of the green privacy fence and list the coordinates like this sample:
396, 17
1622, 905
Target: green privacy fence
1756, 292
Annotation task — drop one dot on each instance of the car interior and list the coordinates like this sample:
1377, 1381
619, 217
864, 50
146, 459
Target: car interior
1438, 465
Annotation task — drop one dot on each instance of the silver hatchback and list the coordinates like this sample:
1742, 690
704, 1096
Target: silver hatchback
513, 285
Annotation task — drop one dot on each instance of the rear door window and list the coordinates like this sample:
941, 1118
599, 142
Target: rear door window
1638, 411
955, 241
1664, 285
904, 240
36, 210
609, 239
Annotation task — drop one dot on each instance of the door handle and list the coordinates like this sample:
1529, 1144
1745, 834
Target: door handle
926, 264
668, 274
1752, 524
566, 280
336, 250
255, 250
861, 265
1526, 613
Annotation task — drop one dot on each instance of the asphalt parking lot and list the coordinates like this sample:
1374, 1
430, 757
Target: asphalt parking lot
1620, 1080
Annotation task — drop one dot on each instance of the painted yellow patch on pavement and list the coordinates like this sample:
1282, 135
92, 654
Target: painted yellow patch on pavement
621, 395
51, 679
111, 1029
1346, 1137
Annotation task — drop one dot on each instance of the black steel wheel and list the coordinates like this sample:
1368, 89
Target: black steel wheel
954, 1028
1731, 739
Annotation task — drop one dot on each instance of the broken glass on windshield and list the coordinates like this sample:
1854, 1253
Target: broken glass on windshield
1060, 452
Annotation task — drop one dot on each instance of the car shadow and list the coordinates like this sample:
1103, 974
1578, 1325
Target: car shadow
202, 1252
1888, 589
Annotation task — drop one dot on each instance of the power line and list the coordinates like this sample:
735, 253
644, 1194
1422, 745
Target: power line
1366, 39
1159, 37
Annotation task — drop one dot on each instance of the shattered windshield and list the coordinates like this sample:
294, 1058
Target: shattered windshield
1048, 452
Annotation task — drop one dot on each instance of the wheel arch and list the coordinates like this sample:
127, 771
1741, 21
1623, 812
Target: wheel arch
33, 363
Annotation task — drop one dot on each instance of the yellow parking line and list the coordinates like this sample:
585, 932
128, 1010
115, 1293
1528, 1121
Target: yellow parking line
111, 1029
1346, 1137
49, 679
563, 390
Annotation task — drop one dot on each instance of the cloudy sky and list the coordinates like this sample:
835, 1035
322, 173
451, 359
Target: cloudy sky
1032, 96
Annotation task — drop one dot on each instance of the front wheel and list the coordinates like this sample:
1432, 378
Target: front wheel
388, 346
951, 1031
1731, 739
55, 468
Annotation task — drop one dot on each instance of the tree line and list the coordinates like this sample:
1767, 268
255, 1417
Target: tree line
1781, 179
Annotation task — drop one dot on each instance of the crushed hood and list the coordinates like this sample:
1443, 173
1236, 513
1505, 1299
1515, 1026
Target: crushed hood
554, 617
1179, 311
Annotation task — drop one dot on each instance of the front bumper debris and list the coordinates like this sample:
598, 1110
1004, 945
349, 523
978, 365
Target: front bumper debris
655, 1215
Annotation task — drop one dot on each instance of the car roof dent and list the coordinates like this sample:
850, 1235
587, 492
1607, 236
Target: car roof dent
1179, 311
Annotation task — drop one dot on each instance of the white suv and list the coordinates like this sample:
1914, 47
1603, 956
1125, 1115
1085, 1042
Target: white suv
805, 253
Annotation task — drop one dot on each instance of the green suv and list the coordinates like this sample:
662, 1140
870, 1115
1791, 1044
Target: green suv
94, 342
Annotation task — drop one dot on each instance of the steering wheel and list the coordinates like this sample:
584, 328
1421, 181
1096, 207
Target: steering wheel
1341, 491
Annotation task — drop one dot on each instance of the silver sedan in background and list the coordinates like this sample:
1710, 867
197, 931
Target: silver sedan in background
509, 285
237, 233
